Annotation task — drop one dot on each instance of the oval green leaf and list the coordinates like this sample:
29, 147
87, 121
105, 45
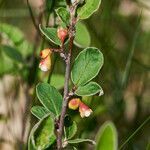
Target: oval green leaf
51, 34
39, 111
107, 137
63, 14
88, 8
50, 98
12, 53
86, 66
89, 89
43, 133
16, 36
82, 38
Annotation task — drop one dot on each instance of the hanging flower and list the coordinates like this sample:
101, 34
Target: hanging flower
74, 103
62, 33
45, 63
84, 110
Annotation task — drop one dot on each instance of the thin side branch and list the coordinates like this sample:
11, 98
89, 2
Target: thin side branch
32, 16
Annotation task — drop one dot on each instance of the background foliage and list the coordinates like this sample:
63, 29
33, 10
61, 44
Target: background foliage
120, 29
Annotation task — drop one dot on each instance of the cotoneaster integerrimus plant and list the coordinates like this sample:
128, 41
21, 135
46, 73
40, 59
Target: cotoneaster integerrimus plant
51, 131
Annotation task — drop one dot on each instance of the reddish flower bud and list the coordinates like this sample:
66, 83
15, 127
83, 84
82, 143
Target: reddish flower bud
84, 110
74, 103
45, 53
62, 34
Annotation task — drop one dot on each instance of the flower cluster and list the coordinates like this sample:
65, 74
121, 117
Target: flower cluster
84, 110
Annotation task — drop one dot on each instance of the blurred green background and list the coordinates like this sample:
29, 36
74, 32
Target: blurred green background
120, 29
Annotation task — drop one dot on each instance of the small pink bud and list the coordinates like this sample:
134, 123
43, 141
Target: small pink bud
45, 52
84, 110
62, 34
74, 103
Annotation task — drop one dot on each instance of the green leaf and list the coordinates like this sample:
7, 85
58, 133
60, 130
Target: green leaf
89, 89
148, 146
63, 15
70, 127
74, 148
71, 130
15, 35
60, 3
51, 34
57, 80
30, 146
107, 137
30, 143
4, 61
88, 8
43, 133
86, 66
50, 98
81, 141
39, 111
12, 53
81, 31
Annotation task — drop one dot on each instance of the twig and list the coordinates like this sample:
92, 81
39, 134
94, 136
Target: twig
67, 77
64, 108
32, 16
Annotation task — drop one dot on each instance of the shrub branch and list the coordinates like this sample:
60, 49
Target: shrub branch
67, 77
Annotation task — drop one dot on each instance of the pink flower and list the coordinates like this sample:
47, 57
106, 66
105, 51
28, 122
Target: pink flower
84, 110
74, 103
45, 63
62, 34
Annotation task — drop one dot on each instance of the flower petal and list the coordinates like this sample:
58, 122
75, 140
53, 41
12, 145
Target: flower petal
74, 103
44, 53
84, 110
45, 64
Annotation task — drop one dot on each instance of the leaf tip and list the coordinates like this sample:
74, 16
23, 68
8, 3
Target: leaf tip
101, 93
